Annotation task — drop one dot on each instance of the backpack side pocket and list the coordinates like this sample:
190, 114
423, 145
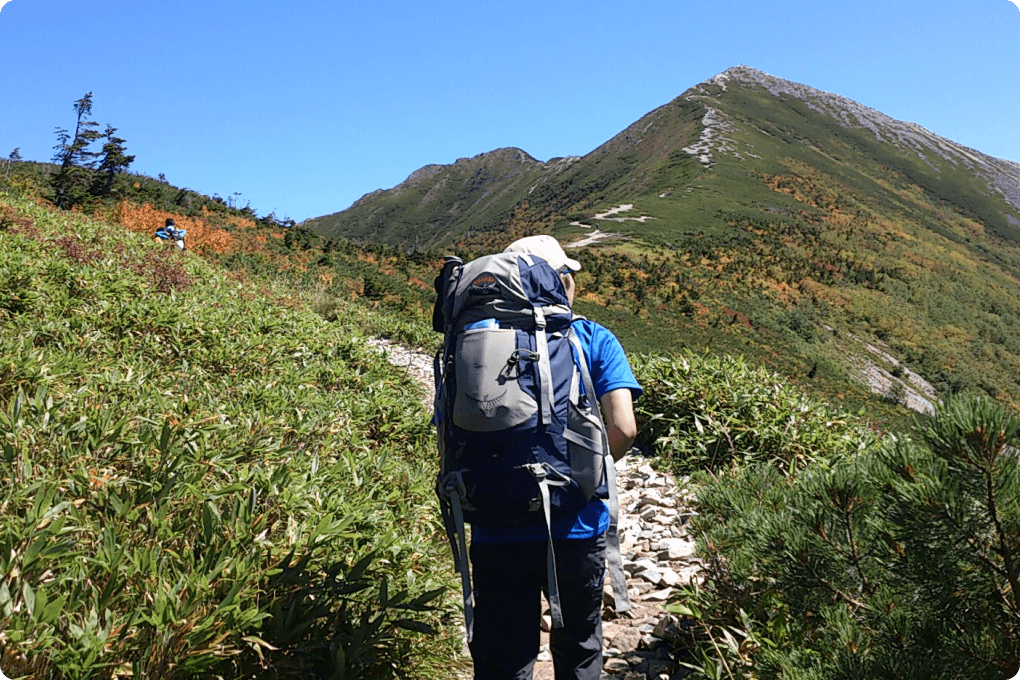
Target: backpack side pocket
584, 442
489, 392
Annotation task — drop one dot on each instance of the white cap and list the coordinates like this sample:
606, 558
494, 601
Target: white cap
547, 248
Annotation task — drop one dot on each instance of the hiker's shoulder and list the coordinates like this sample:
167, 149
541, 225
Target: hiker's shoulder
601, 346
592, 331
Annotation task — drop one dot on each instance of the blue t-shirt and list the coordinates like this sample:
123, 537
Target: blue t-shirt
610, 371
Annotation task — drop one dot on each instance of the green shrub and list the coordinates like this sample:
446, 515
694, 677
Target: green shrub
196, 481
710, 412
898, 562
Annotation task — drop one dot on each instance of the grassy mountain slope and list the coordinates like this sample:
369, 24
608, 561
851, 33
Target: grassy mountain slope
200, 477
768, 219
436, 203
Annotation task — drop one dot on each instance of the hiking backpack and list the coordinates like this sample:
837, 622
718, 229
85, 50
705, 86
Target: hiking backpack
520, 434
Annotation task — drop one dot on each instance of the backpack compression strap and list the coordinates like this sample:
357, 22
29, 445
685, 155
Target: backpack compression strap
544, 368
451, 492
541, 475
614, 560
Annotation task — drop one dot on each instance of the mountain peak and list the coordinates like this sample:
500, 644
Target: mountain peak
1004, 175
742, 72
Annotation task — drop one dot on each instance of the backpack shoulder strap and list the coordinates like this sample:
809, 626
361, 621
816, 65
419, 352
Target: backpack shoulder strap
614, 560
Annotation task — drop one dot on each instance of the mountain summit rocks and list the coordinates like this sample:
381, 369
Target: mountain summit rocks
1001, 174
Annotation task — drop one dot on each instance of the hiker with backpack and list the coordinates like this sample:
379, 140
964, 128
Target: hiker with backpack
527, 458
169, 232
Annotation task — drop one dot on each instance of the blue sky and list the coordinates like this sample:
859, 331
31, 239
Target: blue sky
303, 107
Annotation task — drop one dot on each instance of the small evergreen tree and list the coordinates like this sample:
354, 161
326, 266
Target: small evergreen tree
897, 561
114, 160
85, 174
13, 158
72, 181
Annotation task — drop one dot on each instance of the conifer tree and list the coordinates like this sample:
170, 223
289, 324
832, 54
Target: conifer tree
13, 158
901, 561
114, 160
71, 183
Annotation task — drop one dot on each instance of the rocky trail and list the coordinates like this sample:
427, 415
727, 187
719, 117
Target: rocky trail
658, 556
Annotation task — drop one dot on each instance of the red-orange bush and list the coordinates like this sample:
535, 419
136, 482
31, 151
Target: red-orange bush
201, 237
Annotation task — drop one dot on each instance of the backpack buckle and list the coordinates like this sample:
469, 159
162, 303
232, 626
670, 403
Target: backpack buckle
453, 485
537, 471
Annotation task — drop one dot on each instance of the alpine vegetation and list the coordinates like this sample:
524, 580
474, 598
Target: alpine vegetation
829, 552
197, 480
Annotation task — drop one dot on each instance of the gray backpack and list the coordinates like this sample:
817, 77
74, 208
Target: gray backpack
520, 433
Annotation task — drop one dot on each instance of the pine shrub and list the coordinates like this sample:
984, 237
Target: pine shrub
892, 558
703, 411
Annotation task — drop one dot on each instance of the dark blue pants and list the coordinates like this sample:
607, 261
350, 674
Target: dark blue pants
508, 581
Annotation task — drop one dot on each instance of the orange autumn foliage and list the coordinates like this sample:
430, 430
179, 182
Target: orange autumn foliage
241, 222
201, 237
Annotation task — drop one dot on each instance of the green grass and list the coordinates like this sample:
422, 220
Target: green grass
201, 477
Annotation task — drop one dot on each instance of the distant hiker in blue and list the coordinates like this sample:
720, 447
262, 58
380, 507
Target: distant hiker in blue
510, 562
171, 233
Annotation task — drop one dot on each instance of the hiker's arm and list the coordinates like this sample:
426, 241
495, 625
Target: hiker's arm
621, 428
